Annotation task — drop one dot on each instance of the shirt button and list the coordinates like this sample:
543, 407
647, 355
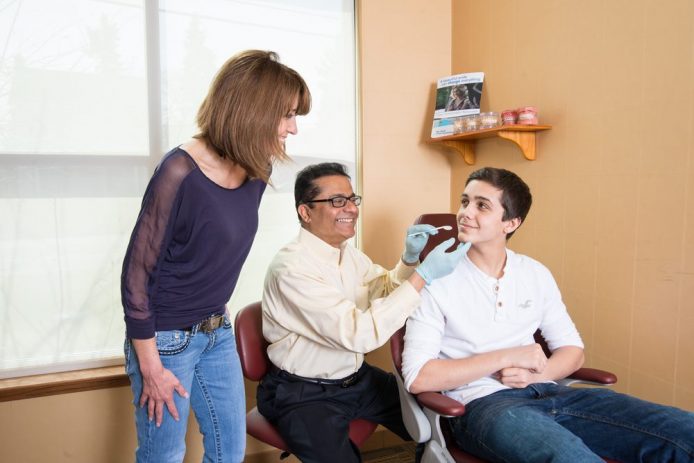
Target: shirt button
499, 304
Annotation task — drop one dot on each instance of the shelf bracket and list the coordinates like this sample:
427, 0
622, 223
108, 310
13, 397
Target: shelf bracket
522, 135
524, 140
465, 148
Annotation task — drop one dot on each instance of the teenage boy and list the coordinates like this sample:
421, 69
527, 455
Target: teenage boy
472, 338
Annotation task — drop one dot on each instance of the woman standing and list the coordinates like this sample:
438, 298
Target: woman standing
197, 222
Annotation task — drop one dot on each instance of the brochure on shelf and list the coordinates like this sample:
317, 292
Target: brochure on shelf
456, 96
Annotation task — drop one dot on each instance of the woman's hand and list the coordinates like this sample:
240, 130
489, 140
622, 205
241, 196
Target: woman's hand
159, 383
157, 391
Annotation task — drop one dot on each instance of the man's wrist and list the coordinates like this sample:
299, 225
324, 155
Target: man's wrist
422, 273
409, 259
417, 281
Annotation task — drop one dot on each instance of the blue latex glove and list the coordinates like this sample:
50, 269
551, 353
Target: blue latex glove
415, 244
440, 263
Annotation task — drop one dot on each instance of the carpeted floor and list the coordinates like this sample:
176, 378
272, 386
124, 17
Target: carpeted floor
403, 453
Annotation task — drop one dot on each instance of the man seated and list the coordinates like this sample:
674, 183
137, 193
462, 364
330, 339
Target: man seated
472, 338
325, 305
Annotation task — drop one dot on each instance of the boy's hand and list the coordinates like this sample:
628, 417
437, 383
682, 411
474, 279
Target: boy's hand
530, 357
516, 377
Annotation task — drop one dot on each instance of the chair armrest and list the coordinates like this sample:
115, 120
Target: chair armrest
441, 404
591, 376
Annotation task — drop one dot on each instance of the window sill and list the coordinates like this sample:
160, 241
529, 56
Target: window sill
30, 387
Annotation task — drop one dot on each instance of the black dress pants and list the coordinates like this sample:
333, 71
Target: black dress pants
314, 418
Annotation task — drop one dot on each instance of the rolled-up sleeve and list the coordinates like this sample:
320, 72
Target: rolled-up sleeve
423, 337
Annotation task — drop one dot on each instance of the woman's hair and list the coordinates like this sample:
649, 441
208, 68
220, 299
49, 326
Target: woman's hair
515, 193
241, 113
460, 90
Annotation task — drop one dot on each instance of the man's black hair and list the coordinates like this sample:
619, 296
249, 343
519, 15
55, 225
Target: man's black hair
305, 188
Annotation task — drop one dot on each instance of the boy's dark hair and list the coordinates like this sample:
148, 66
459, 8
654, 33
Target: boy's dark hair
515, 193
305, 188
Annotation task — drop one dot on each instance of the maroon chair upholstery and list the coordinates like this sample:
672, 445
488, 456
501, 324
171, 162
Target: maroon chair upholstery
438, 404
582, 375
252, 349
439, 220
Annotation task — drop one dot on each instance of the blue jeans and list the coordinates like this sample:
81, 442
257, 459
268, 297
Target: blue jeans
547, 422
207, 365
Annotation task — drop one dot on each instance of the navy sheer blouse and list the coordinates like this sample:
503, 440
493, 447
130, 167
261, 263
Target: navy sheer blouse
186, 251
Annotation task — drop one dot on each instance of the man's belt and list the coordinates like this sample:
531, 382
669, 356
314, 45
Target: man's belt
347, 381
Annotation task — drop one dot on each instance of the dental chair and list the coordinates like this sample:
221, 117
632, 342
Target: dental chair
252, 349
423, 413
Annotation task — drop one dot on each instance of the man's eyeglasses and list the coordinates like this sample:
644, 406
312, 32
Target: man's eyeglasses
338, 201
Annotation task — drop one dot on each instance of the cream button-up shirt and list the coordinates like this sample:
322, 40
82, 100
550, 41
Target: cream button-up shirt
324, 307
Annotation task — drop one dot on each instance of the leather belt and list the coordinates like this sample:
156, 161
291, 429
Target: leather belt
347, 381
208, 325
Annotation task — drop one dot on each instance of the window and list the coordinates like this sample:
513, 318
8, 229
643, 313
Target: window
92, 94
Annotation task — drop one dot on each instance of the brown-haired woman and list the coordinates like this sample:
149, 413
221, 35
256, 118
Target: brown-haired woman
197, 222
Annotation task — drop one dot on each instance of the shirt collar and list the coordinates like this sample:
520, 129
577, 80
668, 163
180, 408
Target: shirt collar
320, 248
510, 263
508, 266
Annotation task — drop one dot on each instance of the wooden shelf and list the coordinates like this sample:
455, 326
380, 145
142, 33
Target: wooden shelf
521, 135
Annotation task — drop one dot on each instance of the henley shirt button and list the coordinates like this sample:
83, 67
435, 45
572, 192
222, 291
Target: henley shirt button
499, 304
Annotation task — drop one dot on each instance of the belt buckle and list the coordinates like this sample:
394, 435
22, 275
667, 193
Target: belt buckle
349, 381
211, 324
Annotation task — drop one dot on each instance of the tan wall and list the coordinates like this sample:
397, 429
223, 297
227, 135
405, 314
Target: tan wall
405, 47
84, 427
614, 179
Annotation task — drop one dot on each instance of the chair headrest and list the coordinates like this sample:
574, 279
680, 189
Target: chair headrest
439, 220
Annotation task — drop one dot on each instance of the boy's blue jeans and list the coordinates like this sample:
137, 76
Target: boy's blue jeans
547, 422
207, 365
